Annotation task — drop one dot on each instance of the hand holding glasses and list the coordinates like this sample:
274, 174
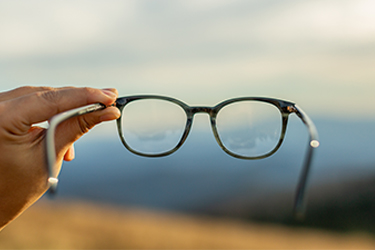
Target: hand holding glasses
154, 126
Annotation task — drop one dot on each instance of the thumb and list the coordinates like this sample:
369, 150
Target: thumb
71, 130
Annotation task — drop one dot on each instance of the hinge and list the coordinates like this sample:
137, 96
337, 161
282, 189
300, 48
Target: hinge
291, 109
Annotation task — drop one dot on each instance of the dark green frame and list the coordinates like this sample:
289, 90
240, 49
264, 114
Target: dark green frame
190, 111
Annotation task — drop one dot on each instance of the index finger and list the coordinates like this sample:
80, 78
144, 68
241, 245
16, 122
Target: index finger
41, 106
21, 91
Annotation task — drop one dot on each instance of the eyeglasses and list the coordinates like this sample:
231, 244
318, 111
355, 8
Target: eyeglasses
155, 126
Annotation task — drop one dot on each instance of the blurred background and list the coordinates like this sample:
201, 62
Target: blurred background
319, 54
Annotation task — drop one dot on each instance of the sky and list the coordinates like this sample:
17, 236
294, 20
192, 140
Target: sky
317, 53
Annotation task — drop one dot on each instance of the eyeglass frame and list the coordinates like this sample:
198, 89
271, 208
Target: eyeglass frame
285, 107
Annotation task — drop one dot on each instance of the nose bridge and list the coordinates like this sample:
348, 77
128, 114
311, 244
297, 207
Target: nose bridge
199, 122
199, 109
195, 110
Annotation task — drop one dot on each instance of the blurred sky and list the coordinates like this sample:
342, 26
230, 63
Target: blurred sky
318, 53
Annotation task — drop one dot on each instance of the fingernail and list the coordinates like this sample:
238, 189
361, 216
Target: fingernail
110, 93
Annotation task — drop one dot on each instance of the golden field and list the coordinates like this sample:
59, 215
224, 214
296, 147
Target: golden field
71, 225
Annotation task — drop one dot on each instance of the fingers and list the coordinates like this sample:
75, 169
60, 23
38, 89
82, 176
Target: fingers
42, 105
72, 129
23, 146
22, 91
70, 154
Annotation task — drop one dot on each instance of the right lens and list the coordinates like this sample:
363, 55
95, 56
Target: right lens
153, 126
249, 128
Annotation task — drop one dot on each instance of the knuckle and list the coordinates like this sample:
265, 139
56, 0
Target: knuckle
88, 91
31, 89
25, 89
21, 91
46, 88
8, 125
52, 95
51, 98
85, 124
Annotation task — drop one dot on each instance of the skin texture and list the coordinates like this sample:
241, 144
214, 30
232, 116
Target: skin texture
23, 172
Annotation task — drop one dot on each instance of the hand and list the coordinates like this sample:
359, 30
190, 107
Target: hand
23, 171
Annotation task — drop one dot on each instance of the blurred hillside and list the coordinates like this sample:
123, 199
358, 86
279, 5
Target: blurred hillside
67, 225
348, 207
201, 179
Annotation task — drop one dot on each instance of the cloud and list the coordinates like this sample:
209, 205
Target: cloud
34, 28
60, 27
289, 49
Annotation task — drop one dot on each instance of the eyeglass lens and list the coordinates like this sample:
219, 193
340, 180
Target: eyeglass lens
249, 128
245, 128
153, 126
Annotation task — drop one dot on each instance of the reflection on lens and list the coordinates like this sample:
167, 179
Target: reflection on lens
249, 128
153, 126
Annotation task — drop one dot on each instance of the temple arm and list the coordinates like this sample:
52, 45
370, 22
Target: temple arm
299, 202
50, 139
